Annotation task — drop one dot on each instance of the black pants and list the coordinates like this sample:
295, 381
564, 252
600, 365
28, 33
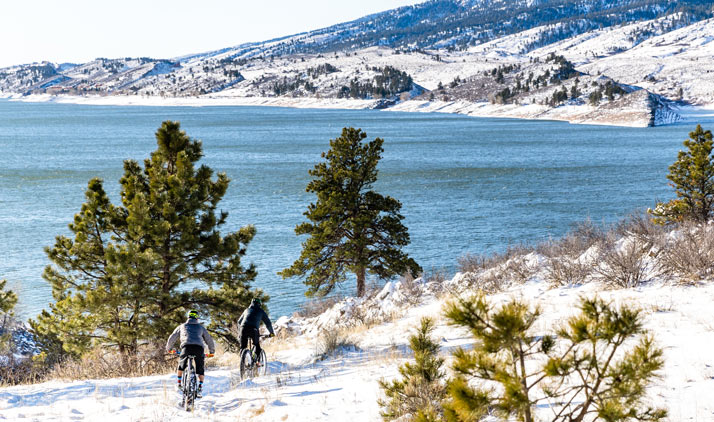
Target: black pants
252, 333
191, 350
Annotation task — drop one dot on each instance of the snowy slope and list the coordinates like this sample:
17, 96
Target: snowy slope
663, 64
303, 389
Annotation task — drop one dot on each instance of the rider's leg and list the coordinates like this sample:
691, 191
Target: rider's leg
179, 376
256, 341
199, 371
244, 333
180, 368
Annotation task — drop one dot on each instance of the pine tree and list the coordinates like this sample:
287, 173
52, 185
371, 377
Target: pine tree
586, 372
93, 302
504, 343
418, 394
604, 381
8, 299
351, 228
692, 177
131, 271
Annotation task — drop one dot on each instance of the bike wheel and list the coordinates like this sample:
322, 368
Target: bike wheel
185, 382
246, 363
263, 359
190, 393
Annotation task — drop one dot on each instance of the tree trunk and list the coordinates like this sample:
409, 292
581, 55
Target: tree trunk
360, 280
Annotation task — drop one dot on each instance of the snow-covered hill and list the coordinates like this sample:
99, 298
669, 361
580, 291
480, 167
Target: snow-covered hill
452, 69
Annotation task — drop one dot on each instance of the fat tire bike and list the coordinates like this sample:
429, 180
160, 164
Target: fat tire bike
189, 383
250, 364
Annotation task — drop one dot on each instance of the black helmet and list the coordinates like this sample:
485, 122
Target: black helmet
192, 314
255, 301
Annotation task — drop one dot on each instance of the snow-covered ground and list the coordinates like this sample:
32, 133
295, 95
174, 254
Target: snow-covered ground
300, 387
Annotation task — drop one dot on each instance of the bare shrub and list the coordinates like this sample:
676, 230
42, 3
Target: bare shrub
493, 273
520, 269
623, 267
578, 240
412, 290
566, 271
471, 263
587, 234
99, 364
475, 275
564, 266
361, 316
315, 307
690, 253
436, 279
641, 227
334, 342
436, 276
486, 281
372, 289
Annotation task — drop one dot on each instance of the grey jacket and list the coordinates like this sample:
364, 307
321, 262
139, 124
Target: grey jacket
191, 333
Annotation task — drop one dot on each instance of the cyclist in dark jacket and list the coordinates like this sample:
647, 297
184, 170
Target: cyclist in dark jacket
249, 324
192, 335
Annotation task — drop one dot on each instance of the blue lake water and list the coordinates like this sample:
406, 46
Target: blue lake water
468, 185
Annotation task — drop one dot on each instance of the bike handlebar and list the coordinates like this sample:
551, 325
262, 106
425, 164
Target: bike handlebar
174, 352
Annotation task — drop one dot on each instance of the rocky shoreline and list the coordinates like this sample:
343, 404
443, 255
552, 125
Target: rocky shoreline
637, 109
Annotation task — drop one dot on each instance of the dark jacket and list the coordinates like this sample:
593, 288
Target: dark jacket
191, 333
252, 317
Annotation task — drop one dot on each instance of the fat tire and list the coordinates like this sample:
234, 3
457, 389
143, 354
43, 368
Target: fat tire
263, 359
246, 363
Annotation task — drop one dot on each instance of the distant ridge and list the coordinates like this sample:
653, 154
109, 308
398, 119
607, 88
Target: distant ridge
476, 52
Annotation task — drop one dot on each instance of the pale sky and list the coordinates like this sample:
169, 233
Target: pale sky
82, 30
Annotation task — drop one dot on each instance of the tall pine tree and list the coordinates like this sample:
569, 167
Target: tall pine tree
692, 177
130, 272
352, 228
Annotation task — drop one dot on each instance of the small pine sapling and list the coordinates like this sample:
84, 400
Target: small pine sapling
585, 372
504, 345
418, 395
596, 378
